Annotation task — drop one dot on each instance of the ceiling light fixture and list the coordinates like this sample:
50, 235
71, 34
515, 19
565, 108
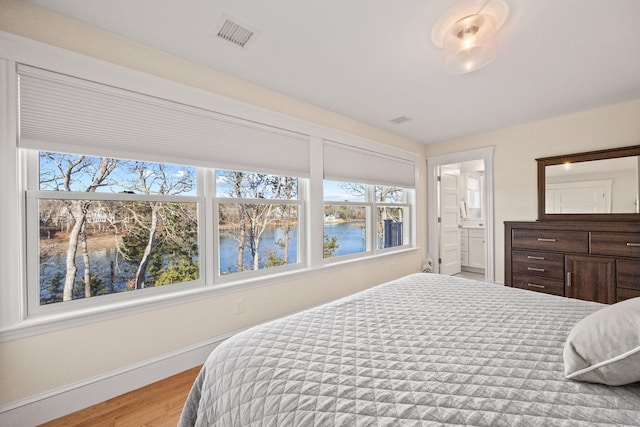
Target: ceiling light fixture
467, 33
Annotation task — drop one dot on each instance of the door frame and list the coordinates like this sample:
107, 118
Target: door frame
433, 242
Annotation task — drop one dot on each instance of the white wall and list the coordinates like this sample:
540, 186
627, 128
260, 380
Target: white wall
31, 367
516, 148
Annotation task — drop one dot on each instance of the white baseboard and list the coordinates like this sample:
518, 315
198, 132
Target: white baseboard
61, 401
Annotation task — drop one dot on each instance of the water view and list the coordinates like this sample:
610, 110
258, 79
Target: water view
110, 270
92, 246
351, 237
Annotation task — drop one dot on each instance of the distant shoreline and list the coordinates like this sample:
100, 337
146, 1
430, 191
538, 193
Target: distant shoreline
59, 243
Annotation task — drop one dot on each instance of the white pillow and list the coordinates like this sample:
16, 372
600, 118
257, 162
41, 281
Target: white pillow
604, 347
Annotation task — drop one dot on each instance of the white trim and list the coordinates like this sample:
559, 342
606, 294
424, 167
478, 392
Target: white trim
116, 197
252, 201
485, 154
315, 255
208, 239
73, 397
11, 202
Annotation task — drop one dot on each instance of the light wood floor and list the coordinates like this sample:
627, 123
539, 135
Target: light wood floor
158, 404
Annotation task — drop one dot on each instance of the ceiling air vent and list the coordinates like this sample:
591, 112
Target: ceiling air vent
235, 33
400, 120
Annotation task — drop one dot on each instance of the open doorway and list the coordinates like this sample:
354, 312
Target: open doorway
460, 214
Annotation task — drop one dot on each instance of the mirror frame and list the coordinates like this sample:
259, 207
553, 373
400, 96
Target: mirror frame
543, 162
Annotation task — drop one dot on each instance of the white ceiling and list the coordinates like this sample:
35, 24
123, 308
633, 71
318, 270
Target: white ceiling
373, 60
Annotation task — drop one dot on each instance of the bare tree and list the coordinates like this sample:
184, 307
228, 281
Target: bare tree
252, 219
259, 216
358, 190
237, 181
73, 173
286, 187
153, 178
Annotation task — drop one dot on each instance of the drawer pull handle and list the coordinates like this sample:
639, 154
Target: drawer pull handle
634, 245
568, 279
535, 269
533, 285
540, 239
541, 258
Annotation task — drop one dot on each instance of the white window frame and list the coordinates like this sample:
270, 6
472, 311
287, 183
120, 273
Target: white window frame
371, 222
406, 207
208, 249
302, 261
33, 194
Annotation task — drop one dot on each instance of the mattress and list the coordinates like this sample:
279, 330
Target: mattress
422, 350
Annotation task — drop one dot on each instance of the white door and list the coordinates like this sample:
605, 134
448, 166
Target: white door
449, 220
579, 197
434, 164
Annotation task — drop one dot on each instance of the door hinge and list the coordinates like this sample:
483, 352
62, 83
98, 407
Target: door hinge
439, 260
439, 219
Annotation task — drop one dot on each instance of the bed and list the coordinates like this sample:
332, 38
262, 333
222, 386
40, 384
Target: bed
425, 349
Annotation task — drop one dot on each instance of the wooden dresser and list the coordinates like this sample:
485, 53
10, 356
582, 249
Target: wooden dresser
589, 260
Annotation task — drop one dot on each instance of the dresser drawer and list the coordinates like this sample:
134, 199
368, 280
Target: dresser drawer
539, 284
624, 294
628, 274
616, 244
543, 264
551, 240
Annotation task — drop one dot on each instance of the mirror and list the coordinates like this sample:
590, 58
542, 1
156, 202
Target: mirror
596, 185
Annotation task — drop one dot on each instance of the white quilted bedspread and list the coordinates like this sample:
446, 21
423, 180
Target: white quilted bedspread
422, 350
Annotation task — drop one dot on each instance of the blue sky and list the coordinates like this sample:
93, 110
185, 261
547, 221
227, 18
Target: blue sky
333, 190
117, 179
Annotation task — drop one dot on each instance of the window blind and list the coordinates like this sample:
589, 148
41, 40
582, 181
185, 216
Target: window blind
62, 113
351, 164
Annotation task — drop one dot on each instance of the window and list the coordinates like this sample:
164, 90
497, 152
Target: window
348, 209
473, 182
258, 221
107, 226
109, 218
367, 200
102, 225
345, 219
392, 216
114, 216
